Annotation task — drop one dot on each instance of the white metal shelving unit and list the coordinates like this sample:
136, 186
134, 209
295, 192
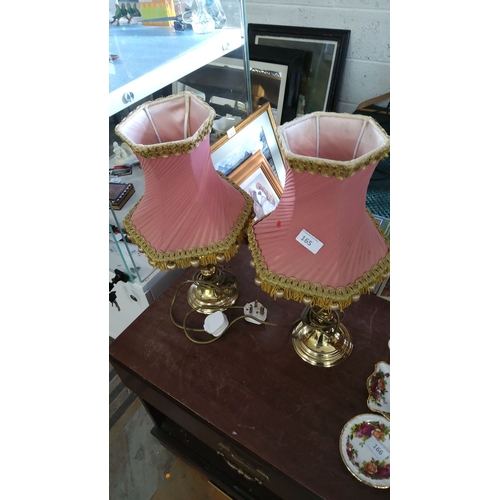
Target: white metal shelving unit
151, 57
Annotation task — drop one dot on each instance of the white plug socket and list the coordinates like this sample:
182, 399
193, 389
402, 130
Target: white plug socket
257, 310
216, 323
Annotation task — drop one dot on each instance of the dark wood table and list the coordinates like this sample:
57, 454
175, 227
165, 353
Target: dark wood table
259, 421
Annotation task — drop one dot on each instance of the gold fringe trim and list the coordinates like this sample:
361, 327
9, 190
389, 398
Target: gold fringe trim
327, 168
321, 296
332, 168
183, 258
166, 149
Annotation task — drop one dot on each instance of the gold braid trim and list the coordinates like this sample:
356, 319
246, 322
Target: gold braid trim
176, 148
183, 258
329, 168
321, 296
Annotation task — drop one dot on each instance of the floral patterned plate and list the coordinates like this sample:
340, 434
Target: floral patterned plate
379, 388
364, 447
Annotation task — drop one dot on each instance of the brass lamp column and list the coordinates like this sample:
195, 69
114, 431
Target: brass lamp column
320, 338
215, 289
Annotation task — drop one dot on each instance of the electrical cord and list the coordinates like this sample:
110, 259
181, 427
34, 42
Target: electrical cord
187, 329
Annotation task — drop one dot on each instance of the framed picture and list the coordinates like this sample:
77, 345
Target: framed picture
291, 65
268, 82
325, 60
255, 133
222, 85
275, 76
256, 177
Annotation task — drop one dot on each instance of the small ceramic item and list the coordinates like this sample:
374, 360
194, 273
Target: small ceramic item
379, 388
123, 154
364, 446
222, 125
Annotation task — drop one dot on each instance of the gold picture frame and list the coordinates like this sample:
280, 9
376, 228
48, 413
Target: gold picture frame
257, 132
256, 177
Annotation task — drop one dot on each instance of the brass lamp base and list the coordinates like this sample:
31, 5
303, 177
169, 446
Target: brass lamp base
214, 290
320, 339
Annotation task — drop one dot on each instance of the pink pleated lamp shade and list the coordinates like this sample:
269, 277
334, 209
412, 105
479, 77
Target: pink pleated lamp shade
321, 245
190, 214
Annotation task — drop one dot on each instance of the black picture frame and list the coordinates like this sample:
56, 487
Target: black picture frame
325, 61
295, 61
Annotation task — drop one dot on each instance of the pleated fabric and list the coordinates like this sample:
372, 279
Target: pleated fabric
187, 205
330, 159
331, 210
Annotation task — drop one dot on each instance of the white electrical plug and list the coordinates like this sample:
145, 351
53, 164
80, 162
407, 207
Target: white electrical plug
216, 323
257, 310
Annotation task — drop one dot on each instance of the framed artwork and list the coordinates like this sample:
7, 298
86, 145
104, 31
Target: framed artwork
268, 81
291, 59
255, 133
256, 177
222, 84
325, 60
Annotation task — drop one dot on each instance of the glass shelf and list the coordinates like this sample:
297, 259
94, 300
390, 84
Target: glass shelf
151, 54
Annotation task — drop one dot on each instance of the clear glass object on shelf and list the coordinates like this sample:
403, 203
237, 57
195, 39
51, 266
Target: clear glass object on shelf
199, 18
215, 9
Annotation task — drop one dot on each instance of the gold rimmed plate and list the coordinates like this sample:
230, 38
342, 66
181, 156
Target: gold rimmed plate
364, 446
378, 385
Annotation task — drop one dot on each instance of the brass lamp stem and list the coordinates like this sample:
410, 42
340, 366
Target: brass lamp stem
215, 289
320, 338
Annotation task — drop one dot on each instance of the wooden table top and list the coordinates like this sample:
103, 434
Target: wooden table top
251, 386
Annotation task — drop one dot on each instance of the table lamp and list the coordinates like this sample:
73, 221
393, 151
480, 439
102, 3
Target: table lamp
190, 214
321, 246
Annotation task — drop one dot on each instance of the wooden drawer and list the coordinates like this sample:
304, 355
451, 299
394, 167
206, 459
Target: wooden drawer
198, 454
219, 455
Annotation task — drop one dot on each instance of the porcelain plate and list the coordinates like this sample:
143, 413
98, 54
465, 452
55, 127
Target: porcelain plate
364, 446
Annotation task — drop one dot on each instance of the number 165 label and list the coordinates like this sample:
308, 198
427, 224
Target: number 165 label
308, 241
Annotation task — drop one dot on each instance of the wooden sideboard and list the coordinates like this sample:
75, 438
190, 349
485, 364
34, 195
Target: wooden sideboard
245, 409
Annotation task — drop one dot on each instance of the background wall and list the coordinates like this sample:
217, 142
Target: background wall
367, 69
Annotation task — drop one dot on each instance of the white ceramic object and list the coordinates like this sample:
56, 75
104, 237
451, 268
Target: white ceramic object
123, 154
222, 125
364, 446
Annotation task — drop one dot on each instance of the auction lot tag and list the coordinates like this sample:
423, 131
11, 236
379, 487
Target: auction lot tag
377, 448
307, 240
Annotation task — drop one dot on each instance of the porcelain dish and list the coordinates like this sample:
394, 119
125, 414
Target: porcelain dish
379, 388
364, 446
